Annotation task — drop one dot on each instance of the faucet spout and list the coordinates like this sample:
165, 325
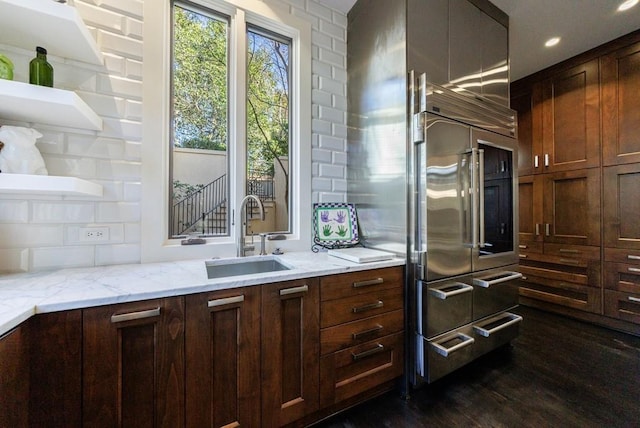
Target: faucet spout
241, 245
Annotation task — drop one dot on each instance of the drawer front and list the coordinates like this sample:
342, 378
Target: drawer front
494, 332
448, 352
562, 293
622, 277
495, 291
572, 251
361, 306
444, 305
530, 247
347, 373
354, 333
586, 273
624, 306
356, 283
622, 256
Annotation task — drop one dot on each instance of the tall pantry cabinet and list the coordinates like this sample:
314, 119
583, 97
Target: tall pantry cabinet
579, 141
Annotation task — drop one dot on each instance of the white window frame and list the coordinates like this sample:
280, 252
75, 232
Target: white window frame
156, 133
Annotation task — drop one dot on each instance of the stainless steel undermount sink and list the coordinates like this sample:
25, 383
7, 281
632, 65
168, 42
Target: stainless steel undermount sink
243, 266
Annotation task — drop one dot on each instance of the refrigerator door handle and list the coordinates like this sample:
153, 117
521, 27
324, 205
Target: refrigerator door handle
481, 242
474, 198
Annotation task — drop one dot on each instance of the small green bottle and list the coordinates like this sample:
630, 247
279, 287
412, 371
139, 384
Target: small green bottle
40, 71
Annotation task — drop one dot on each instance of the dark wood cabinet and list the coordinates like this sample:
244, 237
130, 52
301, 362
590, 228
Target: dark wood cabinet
362, 340
571, 119
133, 364
528, 104
621, 106
290, 353
14, 378
223, 358
621, 208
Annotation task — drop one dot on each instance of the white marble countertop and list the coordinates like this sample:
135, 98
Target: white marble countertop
26, 294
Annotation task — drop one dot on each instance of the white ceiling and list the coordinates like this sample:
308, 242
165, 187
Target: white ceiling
582, 25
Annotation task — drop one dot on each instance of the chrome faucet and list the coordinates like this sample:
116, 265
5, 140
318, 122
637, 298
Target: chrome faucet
241, 244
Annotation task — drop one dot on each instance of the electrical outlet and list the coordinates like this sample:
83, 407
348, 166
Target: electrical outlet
94, 234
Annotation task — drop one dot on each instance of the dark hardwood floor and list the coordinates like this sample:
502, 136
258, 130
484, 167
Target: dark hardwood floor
558, 373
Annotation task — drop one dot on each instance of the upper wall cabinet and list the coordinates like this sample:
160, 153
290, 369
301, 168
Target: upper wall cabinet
59, 28
621, 106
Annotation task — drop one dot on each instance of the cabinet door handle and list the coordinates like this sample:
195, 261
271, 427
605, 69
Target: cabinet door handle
376, 305
368, 282
379, 348
225, 301
632, 257
634, 270
536, 161
547, 229
294, 290
537, 229
360, 334
546, 159
633, 299
150, 313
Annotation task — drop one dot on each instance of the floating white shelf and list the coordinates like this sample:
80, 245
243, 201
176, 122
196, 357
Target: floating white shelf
51, 106
57, 27
26, 184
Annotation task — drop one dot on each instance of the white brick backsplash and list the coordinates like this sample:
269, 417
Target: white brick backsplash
118, 212
335, 171
62, 212
14, 260
42, 233
61, 257
14, 211
117, 254
35, 235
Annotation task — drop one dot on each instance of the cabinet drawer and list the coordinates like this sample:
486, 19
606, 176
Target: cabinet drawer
624, 306
622, 255
354, 333
622, 277
530, 247
560, 292
353, 284
347, 373
360, 306
584, 272
572, 251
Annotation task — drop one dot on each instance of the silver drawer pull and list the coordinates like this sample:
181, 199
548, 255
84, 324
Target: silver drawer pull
513, 319
368, 282
635, 270
524, 278
497, 279
466, 341
368, 307
294, 290
522, 256
634, 299
570, 261
632, 257
225, 301
565, 250
522, 247
451, 290
379, 348
363, 333
135, 315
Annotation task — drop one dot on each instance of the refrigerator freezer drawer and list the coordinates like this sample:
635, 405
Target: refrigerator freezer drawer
494, 332
448, 353
448, 305
495, 291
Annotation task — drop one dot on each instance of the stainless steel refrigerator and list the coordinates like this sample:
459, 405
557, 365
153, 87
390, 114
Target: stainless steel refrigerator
431, 158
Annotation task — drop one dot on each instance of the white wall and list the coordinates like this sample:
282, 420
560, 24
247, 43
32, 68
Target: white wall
43, 232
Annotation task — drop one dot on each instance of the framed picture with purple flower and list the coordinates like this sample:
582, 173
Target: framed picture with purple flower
335, 224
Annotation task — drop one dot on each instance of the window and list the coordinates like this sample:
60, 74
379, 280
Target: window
236, 115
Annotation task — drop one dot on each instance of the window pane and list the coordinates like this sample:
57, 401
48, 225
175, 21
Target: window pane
268, 133
199, 123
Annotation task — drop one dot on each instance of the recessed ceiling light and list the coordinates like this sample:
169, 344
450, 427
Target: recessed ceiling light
628, 4
553, 41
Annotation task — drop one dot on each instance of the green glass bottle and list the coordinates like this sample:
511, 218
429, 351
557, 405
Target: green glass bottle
40, 71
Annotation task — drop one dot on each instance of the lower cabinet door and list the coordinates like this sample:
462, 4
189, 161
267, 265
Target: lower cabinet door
349, 372
290, 351
133, 365
223, 359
